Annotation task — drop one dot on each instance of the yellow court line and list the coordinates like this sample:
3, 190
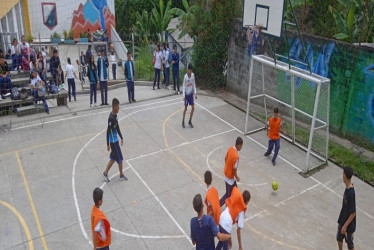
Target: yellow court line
31, 202
196, 175
172, 152
22, 221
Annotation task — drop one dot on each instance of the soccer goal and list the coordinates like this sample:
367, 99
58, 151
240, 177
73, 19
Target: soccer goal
303, 100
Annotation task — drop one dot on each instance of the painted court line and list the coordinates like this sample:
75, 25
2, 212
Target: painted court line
91, 114
75, 164
31, 202
239, 183
22, 221
161, 204
289, 163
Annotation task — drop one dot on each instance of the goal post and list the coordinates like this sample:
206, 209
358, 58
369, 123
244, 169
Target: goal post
303, 100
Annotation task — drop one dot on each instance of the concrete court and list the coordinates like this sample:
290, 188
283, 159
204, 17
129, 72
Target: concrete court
49, 166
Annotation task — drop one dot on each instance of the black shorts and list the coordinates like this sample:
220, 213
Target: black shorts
348, 239
115, 152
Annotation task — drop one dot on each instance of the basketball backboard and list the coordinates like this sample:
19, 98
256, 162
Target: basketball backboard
265, 13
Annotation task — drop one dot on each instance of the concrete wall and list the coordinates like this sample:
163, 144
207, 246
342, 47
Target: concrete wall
350, 69
79, 15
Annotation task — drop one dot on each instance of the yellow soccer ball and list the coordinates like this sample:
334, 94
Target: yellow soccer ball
275, 185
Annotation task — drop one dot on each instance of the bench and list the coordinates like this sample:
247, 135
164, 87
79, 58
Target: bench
61, 98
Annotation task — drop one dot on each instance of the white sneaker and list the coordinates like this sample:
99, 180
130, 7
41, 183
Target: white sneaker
91, 105
95, 104
1, 98
7, 94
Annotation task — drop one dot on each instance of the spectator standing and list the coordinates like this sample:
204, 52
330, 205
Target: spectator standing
92, 77
157, 61
175, 69
70, 75
130, 74
166, 54
25, 53
114, 65
102, 72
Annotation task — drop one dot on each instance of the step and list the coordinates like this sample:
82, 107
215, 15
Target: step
30, 110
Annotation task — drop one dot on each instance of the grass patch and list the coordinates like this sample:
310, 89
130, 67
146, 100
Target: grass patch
362, 166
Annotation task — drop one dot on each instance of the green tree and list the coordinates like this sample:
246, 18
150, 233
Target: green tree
354, 20
161, 16
143, 27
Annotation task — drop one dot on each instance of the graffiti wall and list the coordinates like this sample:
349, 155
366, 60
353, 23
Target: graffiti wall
47, 17
350, 69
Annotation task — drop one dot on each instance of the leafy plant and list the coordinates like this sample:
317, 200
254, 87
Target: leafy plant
68, 35
354, 20
29, 38
83, 35
161, 18
143, 63
55, 35
143, 26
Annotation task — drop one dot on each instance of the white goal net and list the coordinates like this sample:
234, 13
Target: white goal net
303, 102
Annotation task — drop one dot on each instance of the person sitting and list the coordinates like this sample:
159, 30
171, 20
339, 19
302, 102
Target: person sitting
55, 67
38, 85
42, 66
4, 76
33, 65
16, 56
8, 55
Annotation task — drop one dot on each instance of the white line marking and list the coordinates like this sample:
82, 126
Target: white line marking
295, 195
180, 145
160, 202
147, 236
291, 164
262, 212
75, 164
239, 183
91, 114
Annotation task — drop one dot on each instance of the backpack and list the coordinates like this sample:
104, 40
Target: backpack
15, 93
53, 89
24, 93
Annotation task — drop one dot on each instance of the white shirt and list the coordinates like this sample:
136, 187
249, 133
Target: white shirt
158, 62
14, 49
226, 222
31, 66
166, 57
113, 59
101, 228
70, 71
189, 85
41, 64
44, 54
102, 69
34, 81
24, 46
231, 181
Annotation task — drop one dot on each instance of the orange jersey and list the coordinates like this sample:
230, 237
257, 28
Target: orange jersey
231, 157
235, 203
96, 216
274, 125
213, 199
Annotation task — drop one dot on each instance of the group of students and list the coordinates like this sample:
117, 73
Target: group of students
161, 62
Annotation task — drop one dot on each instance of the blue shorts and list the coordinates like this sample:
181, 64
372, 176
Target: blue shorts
188, 100
115, 153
